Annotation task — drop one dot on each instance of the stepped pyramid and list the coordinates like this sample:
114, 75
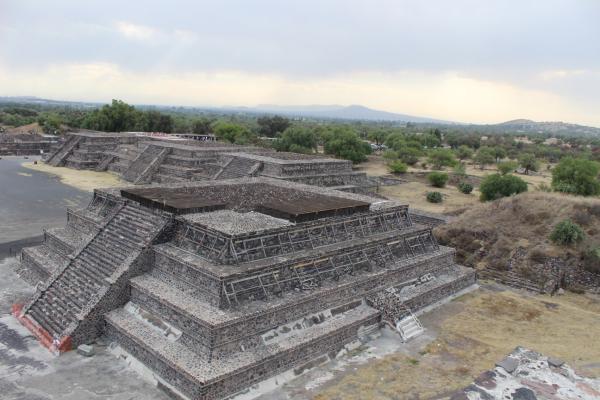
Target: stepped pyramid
218, 285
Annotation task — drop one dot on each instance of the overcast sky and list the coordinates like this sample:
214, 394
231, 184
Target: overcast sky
460, 60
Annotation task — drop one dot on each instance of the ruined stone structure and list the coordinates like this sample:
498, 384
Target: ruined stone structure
217, 285
25, 144
141, 159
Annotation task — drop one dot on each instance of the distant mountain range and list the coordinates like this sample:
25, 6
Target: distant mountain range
526, 126
353, 112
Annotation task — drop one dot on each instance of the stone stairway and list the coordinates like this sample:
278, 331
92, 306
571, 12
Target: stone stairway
144, 166
409, 327
59, 157
74, 290
238, 167
103, 165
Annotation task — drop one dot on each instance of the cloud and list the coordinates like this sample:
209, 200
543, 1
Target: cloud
447, 95
505, 45
136, 32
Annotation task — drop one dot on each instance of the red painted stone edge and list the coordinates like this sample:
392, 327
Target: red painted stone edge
40, 333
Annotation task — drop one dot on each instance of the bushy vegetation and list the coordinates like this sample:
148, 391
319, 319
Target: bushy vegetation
398, 167
232, 133
434, 197
576, 176
344, 142
528, 162
591, 260
465, 187
437, 179
507, 167
441, 158
297, 139
496, 186
566, 233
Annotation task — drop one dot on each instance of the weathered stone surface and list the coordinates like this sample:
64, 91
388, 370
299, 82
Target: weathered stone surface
555, 362
86, 350
524, 394
509, 364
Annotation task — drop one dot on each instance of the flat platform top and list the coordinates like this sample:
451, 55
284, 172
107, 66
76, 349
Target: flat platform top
294, 203
177, 202
290, 158
235, 223
308, 208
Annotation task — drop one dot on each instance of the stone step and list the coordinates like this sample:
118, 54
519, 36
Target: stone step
195, 377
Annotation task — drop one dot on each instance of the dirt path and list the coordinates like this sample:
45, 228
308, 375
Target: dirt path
80, 179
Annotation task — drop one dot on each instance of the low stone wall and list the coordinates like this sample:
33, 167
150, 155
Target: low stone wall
429, 219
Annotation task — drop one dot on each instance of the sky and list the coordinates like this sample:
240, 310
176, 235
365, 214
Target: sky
461, 60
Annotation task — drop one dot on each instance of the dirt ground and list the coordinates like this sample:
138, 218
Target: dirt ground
416, 189
80, 179
473, 333
414, 194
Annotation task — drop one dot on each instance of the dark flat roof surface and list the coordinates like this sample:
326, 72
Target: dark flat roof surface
296, 206
173, 201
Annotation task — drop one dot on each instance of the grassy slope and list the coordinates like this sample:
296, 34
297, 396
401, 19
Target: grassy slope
489, 233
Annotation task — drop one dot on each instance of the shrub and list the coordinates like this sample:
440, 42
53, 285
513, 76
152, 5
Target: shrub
460, 170
390, 155
441, 158
591, 260
438, 179
434, 197
496, 186
567, 232
507, 167
409, 155
398, 167
576, 176
465, 187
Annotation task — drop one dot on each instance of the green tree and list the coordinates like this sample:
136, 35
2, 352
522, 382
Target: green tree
116, 117
270, 126
576, 176
528, 162
484, 156
202, 126
50, 122
409, 155
297, 139
343, 142
507, 167
463, 152
378, 136
496, 186
499, 153
441, 158
233, 133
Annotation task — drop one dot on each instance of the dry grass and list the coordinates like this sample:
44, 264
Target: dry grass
80, 179
489, 233
486, 327
413, 193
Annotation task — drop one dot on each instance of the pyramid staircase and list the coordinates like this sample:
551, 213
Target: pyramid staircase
77, 291
60, 156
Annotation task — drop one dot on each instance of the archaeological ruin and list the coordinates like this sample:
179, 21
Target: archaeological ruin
142, 159
215, 285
